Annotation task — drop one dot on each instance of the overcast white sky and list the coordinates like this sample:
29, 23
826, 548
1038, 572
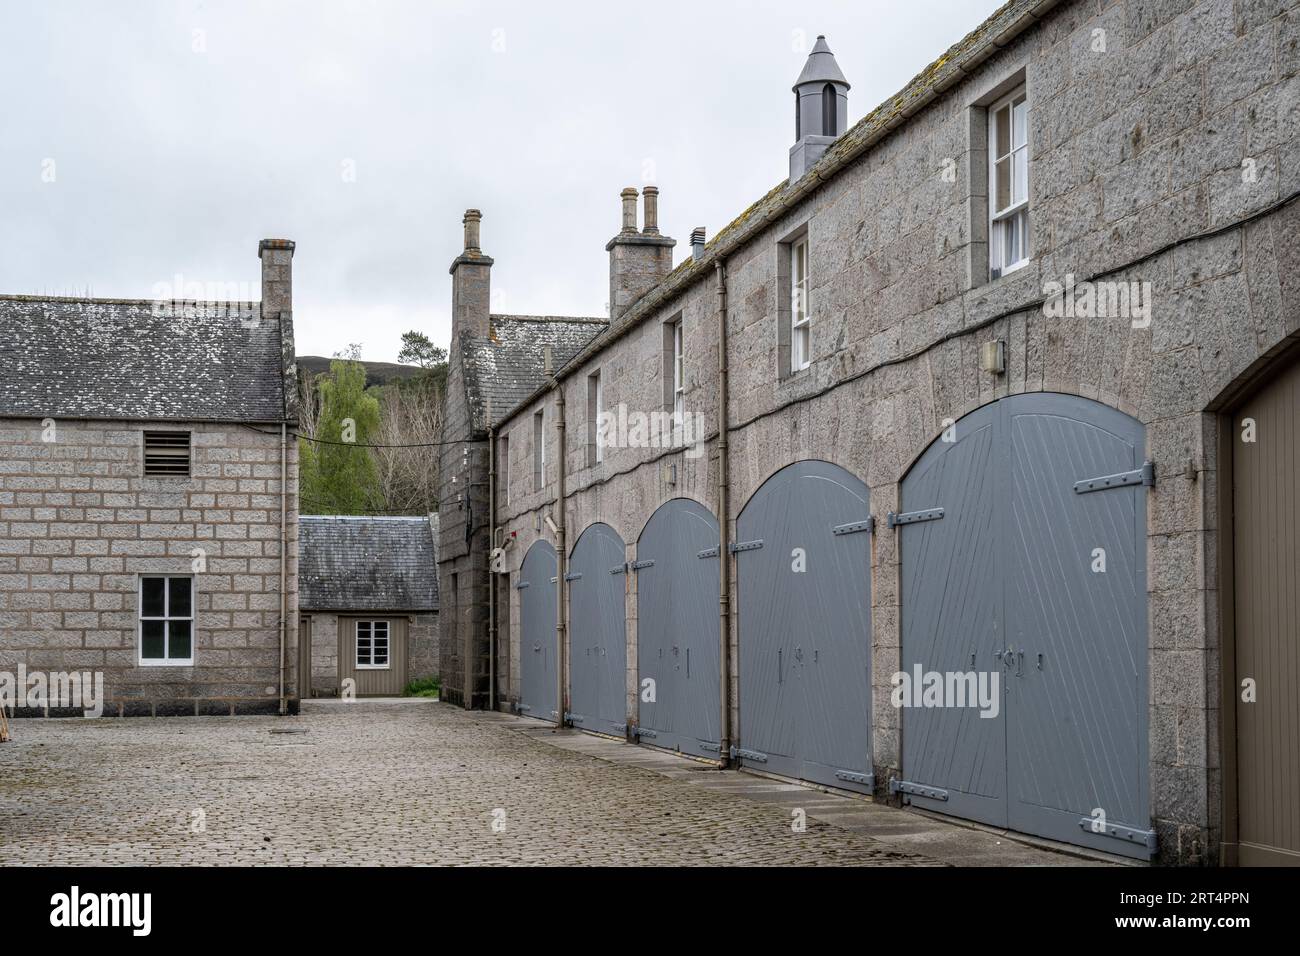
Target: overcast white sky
173, 151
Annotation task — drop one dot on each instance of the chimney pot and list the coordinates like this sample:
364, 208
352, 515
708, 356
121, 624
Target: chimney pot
471, 221
629, 209
651, 226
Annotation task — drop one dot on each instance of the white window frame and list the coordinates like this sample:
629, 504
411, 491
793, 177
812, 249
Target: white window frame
167, 618
600, 410
1017, 210
679, 376
374, 635
800, 307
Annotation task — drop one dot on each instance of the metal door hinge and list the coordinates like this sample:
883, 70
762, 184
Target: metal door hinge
708, 553
748, 754
638, 565
621, 569
910, 517
522, 584
575, 718
713, 747
866, 779
739, 546
919, 789
1146, 475
1146, 838
854, 526
553, 580
573, 576
643, 732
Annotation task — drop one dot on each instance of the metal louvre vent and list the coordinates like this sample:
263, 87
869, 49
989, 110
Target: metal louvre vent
167, 454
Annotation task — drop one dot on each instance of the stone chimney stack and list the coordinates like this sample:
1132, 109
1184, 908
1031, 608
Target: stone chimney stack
821, 108
638, 261
277, 276
471, 283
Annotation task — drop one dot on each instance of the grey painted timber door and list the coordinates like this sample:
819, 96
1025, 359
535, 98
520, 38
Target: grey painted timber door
803, 564
677, 576
1266, 621
536, 590
1023, 552
597, 633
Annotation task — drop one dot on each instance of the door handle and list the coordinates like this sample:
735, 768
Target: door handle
1020, 663
1008, 657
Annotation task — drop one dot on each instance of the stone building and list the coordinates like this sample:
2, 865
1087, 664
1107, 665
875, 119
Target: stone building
368, 596
148, 499
999, 386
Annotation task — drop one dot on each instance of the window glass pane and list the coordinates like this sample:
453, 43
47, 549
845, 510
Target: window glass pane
1002, 131
179, 646
1020, 175
179, 595
1002, 178
151, 597
1011, 246
1020, 123
151, 640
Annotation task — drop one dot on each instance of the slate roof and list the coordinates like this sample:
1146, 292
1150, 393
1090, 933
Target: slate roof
367, 563
510, 365
116, 358
958, 62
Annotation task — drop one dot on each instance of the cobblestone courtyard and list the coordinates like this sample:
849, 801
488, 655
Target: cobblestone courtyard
410, 782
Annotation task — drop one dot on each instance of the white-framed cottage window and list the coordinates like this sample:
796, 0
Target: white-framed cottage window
800, 316
166, 623
372, 645
1008, 184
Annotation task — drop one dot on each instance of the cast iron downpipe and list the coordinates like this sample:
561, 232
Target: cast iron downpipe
284, 564
561, 554
492, 577
724, 556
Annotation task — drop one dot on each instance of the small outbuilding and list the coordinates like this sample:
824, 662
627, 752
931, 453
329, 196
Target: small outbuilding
369, 603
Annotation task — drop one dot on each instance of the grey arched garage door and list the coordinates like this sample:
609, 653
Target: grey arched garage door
803, 564
677, 571
597, 611
536, 590
1023, 550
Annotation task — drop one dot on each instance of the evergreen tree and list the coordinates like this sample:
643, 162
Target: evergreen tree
341, 478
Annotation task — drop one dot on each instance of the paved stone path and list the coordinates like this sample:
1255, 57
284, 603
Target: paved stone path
402, 782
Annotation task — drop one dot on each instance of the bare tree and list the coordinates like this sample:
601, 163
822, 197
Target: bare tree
410, 416
308, 403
